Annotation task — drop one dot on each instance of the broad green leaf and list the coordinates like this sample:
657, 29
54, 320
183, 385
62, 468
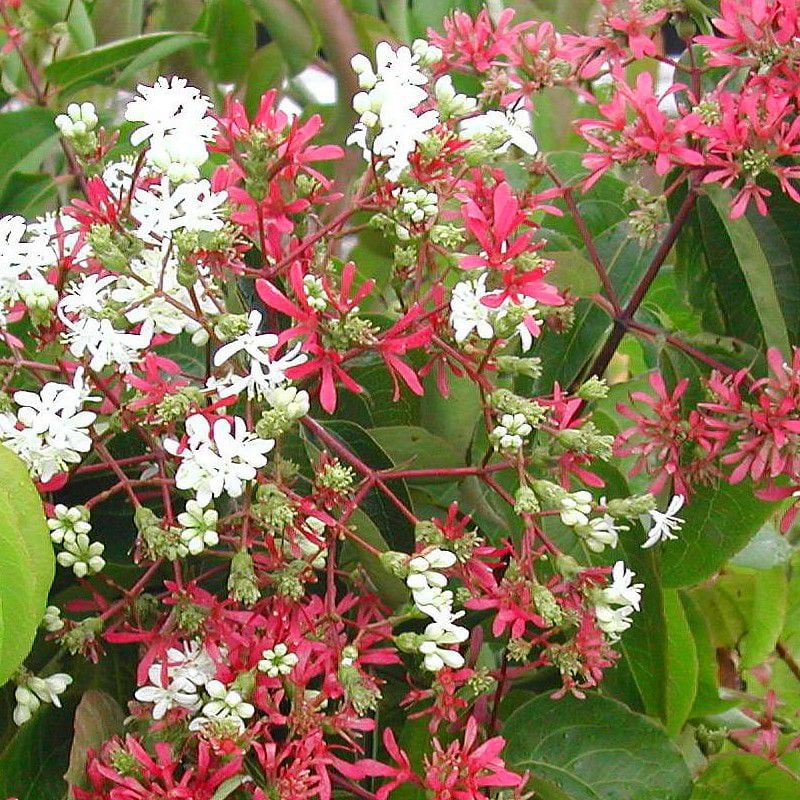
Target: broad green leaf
593, 749
26, 562
231, 33
389, 587
29, 194
766, 619
416, 448
756, 270
291, 28
26, 136
682, 664
719, 521
573, 271
707, 700
98, 717
34, 759
396, 14
454, 417
266, 71
155, 54
741, 776
102, 62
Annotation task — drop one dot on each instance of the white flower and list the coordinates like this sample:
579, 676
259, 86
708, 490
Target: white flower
82, 555
178, 692
601, 532
664, 524
78, 121
516, 125
265, 372
226, 703
613, 621
89, 296
50, 430
436, 655
179, 159
199, 527
52, 621
289, 400
67, 523
32, 691
575, 508
277, 661
170, 110
452, 103
161, 209
468, 313
217, 459
153, 281
510, 434
191, 662
621, 591
106, 344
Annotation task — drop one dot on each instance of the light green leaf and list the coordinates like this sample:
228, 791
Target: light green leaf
101, 62
26, 562
79, 25
291, 27
231, 33
682, 664
765, 622
26, 136
416, 448
593, 749
741, 776
755, 268
719, 521
267, 71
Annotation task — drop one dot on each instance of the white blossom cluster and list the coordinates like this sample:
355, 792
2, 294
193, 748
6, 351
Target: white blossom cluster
178, 681
217, 458
469, 314
615, 604
432, 598
32, 691
50, 430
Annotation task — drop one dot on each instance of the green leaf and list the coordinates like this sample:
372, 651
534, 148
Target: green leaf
26, 136
26, 562
98, 717
593, 749
741, 776
573, 271
155, 54
755, 268
291, 27
28, 194
719, 521
35, 758
707, 700
389, 587
416, 448
102, 62
267, 71
79, 25
454, 417
682, 664
765, 622
231, 33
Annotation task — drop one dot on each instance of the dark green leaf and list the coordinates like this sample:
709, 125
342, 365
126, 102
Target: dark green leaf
765, 622
682, 664
719, 521
28, 194
593, 749
267, 71
416, 448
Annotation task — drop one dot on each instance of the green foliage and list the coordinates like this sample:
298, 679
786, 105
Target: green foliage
26, 563
593, 749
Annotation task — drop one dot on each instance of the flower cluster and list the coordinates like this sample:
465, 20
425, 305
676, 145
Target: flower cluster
175, 343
